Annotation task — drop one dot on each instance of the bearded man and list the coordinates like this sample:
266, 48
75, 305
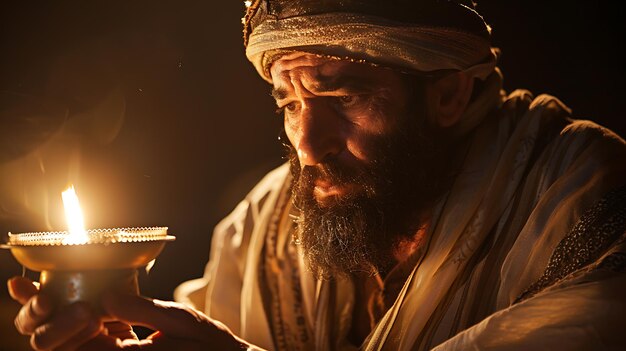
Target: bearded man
422, 207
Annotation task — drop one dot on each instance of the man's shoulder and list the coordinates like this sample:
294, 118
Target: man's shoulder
556, 115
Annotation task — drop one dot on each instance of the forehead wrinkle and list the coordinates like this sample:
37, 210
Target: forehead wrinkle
305, 76
293, 81
345, 81
301, 81
281, 88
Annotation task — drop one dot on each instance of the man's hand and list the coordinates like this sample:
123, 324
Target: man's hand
75, 327
65, 330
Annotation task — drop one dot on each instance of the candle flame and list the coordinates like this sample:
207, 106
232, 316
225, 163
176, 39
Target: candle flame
74, 217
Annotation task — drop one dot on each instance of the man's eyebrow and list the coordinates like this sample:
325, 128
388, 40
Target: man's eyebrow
279, 93
327, 84
350, 82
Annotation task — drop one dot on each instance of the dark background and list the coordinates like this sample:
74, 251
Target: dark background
153, 112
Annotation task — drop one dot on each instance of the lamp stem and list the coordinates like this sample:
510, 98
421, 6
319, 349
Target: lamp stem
67, 287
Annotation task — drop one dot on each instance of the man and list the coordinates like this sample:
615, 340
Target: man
421, 208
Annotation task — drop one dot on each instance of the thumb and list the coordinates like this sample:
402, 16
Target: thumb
21, 289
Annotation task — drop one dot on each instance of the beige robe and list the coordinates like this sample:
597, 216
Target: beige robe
526, 251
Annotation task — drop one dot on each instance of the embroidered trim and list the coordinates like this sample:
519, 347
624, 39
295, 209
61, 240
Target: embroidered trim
280, 283
598, 228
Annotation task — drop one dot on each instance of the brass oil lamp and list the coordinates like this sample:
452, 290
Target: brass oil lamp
79, 265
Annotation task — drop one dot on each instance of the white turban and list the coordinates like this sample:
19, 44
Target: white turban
370, 39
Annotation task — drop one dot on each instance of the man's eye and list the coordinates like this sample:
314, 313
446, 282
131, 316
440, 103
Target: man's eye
348, 100
290, 107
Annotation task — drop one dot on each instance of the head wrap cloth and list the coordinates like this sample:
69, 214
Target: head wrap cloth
412, 36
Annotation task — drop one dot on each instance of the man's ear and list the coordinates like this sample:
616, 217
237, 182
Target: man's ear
448, 97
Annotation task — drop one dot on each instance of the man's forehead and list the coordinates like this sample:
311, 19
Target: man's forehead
323, 72
305, 62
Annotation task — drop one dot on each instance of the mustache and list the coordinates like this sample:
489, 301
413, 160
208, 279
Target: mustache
331, 170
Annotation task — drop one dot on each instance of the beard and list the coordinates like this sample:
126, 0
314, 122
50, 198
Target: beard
358, 230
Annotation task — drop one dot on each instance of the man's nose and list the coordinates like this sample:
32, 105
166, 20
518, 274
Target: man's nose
320, 134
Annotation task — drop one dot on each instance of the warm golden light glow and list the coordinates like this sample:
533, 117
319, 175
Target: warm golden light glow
74, 217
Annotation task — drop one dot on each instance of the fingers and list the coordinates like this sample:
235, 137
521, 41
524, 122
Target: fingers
168, 317
105, 343
21, 289
120, 330
178, 326
34, 313
69, 328
92, 329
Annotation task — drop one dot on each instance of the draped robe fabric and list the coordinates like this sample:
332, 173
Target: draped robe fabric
526, 251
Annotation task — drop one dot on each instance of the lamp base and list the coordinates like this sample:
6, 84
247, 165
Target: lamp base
67, 287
